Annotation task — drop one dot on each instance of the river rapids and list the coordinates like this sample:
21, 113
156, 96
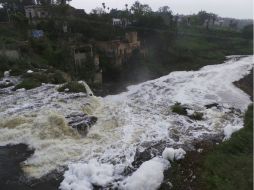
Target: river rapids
127, 123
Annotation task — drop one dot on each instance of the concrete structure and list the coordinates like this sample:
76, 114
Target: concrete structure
98, 77
116, 22
119, 50
34, 12
65, 28
120, 22
81, 54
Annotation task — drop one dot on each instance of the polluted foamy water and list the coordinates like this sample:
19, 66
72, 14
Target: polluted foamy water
127, 123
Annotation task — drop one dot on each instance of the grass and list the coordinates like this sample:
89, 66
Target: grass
53, 77
194, 48
246, 84
27, 84
194, 52
179, 109
73, 87
230, 164
34, 80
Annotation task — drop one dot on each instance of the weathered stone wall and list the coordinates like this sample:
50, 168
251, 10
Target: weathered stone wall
12, 54
132, 37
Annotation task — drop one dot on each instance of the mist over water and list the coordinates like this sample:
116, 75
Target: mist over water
128, 122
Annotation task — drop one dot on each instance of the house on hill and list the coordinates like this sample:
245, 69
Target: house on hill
34, 12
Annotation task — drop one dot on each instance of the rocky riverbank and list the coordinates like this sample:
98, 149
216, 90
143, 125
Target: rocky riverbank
187, 174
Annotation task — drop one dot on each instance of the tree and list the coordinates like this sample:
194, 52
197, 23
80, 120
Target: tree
166, 14
203, 16
139, 9
233, 24
3, 15
115, 13
28, 2
20, 22
98, 11
104, 5
213, 17
11, 5
165, 10
247, 31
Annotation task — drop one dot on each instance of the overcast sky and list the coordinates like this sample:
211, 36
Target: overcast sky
224, 8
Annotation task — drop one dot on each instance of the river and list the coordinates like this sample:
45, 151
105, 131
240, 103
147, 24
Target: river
128, 124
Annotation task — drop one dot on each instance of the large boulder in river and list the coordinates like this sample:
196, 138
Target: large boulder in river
81, 122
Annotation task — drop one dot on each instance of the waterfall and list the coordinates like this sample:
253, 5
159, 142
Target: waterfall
88, 89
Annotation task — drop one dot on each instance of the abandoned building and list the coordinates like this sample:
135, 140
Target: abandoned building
34, 12
123, 23
81, 54
119, 50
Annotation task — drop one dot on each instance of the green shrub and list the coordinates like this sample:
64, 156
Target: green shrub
17, 67
37, 76
27, 84
74, 87
4, 66
16, 70
55, 77
179, 109
247, 32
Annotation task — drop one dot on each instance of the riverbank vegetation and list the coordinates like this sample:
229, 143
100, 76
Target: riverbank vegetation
35, 79
230, 164
179, 109
73, 87
214, 166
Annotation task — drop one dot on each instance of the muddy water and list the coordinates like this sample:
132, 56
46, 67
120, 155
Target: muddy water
11, 174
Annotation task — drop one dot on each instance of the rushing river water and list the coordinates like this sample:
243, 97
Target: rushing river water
128, 123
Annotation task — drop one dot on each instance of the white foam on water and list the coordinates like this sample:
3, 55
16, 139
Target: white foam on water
126, 122
148, 176
230, 129
173, 154
84, 176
